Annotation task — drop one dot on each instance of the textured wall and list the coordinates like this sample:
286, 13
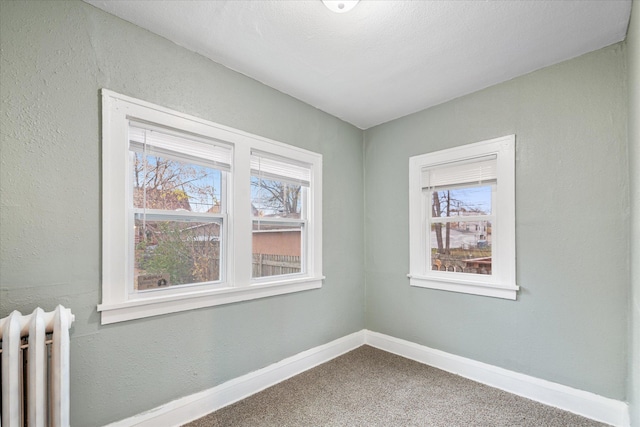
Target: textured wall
569, 324
55, 56
633, 55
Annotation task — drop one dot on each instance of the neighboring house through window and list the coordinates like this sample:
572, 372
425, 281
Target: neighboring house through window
279, 209
178, 207
197, 214
462, 219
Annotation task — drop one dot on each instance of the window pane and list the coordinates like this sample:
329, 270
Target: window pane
463, 246
169, 253
277, 248
165, 183
276, 199
461, 201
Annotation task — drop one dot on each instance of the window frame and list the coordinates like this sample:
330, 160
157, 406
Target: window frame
236, 284
281, 175
159, 214
502, 282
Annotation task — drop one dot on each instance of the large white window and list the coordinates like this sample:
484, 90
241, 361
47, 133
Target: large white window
196, 214
462, 219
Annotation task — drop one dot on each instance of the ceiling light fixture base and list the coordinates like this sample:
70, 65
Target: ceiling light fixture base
340, 6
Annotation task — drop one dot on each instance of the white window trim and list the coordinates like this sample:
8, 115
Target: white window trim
237, 285
502, 282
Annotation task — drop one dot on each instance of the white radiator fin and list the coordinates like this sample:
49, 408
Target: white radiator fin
47, 384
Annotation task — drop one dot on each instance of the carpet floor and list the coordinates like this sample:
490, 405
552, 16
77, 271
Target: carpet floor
370, 387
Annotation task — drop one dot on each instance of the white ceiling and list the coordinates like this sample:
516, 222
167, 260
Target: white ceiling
385, 58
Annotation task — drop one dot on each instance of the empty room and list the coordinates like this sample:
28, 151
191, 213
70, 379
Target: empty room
310, 213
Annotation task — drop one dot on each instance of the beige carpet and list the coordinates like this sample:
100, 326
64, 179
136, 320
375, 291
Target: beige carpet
370, 387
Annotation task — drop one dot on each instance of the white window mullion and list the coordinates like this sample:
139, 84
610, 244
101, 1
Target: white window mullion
242, 239
162, 215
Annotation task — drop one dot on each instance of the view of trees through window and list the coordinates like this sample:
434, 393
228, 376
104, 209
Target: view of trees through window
276, 199
460, 232
177, 234
277, 208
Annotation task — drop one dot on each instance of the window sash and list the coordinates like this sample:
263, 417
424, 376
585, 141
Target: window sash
464, 170
185, 217
148, 139
282, 221
428, 195
470, 218
167, 215
303, 227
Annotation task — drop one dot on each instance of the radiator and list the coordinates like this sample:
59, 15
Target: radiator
35, 368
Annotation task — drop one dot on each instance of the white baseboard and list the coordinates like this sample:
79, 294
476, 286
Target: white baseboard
590, 405
189, 408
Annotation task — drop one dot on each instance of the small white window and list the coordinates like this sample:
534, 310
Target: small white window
462, 219
196, 214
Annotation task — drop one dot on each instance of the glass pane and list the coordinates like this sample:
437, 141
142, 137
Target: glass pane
463, 247
164, 183
277, 248
169, 253
276, 199
461, 201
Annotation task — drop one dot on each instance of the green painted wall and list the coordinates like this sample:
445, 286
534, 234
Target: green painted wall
569, 324
633, 55
55, 56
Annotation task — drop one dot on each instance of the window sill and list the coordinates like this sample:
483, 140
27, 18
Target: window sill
154, 306
465, 287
